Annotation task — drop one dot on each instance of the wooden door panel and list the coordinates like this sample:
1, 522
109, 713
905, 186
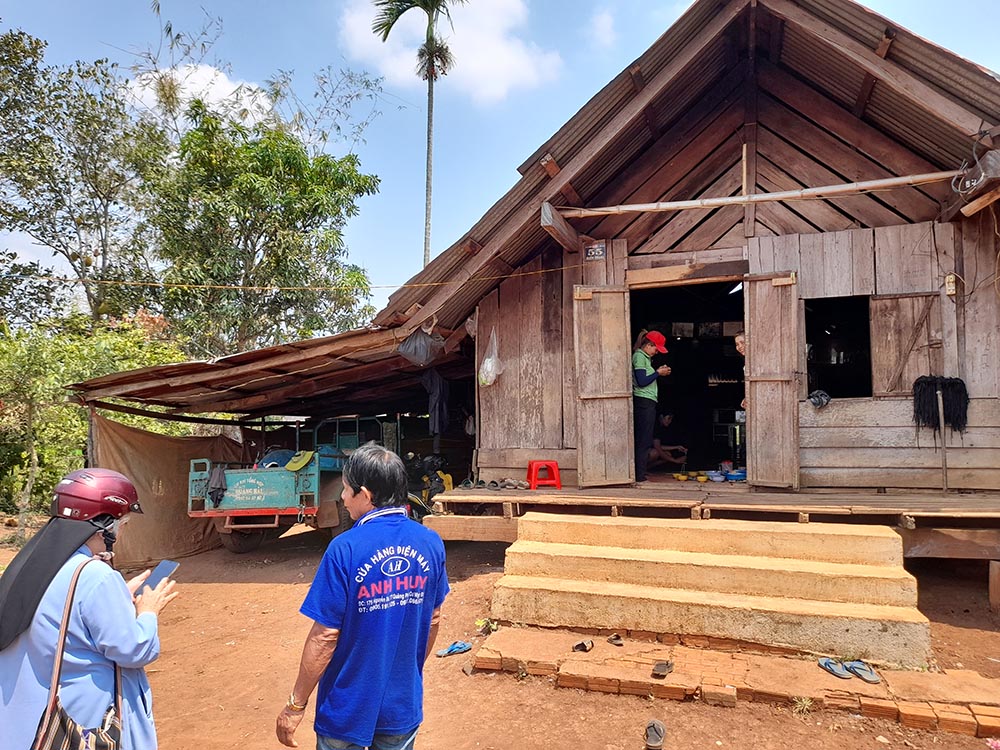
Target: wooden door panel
604, 386
772, 380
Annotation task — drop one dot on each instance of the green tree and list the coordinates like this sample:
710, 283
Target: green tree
29, 293
72, 159
42, 433
253, 225
433, 59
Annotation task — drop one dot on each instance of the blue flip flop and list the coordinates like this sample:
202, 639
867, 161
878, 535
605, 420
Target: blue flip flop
862, 670
834, 667
458, 647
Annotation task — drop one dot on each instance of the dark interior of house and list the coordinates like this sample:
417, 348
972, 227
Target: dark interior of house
838, 346
705, 389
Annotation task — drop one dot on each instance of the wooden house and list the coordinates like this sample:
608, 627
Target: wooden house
738, 98
655, 206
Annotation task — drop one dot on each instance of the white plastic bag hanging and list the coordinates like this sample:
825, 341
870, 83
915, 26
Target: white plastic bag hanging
491, 367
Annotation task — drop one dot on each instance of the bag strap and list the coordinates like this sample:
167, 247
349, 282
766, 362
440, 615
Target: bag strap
61, 647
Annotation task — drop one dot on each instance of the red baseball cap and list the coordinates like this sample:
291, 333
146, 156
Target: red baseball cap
657, 338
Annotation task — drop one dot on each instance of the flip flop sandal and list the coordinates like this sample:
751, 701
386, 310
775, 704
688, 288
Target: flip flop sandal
522, 485
862, 670
615, 640
834, 667
583, 646
662, 668
458, 647
508, 484
481, 484
466, 484
493, 485
655, 734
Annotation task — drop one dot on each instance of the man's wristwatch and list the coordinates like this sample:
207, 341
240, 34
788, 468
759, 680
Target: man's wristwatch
297, 707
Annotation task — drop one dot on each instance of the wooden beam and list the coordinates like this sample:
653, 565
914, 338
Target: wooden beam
648, 114
865, 92
981, 202
816, 193
560, 229
776, 40
122, 409
686, 273
552, 168
750, 124
471, 246
626, 114
892, 75
963, 544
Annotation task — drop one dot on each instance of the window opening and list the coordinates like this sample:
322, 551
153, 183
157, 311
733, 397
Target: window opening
838, 346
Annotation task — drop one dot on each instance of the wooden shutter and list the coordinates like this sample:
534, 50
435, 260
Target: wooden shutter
604, 386
906, 336
772, 380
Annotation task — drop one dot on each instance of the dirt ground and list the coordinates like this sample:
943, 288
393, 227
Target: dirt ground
232, 640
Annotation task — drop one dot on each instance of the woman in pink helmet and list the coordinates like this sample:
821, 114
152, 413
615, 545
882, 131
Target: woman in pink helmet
109, 624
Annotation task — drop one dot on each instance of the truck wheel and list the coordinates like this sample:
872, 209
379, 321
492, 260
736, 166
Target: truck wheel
242, 542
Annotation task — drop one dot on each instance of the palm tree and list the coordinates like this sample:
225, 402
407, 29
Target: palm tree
433, 59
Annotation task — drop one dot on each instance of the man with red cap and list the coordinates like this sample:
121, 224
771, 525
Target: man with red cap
644, 394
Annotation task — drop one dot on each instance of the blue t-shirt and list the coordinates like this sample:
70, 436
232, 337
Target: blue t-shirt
377, 583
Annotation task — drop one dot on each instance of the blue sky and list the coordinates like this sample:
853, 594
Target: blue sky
523, 67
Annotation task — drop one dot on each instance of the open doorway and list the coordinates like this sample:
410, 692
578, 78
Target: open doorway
705, 390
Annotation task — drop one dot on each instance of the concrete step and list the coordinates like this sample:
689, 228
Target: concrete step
874, 632
835, 543
736, 574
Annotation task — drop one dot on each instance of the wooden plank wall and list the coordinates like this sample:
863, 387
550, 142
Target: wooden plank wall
873, 443
523, 415
980, 246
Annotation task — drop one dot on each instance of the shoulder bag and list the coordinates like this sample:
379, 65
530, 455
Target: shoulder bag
56, 730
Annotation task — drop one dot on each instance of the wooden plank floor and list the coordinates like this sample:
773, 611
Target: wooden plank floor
738, 498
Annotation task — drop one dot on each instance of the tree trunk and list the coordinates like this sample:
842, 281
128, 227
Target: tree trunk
24, 504
430, 159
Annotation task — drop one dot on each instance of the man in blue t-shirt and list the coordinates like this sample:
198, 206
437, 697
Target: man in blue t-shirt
375, 602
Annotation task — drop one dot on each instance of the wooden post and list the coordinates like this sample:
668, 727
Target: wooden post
944, 446
995, 585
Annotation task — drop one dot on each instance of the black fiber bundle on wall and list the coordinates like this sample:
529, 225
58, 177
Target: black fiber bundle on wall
954, 396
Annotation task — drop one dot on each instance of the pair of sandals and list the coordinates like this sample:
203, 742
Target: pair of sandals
845, 670
507, 484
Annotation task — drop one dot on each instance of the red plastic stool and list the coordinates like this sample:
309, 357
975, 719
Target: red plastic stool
552, 470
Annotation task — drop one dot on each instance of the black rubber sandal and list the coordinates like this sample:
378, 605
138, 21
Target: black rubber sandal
662, 668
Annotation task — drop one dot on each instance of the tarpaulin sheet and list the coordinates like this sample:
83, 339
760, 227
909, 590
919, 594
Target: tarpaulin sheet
158, 466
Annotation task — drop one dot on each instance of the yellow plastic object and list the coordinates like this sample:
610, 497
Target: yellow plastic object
449, 484
693, 473
702, 479
682, 477
299, 460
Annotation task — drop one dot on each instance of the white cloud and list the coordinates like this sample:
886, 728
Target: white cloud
491, 58
602, 29
242, 99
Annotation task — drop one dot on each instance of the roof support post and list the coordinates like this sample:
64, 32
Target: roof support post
750, 125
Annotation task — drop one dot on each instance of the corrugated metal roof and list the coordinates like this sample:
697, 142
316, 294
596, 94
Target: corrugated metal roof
817, 63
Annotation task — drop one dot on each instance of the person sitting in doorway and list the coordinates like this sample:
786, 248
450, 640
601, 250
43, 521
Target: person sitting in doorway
666, 451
